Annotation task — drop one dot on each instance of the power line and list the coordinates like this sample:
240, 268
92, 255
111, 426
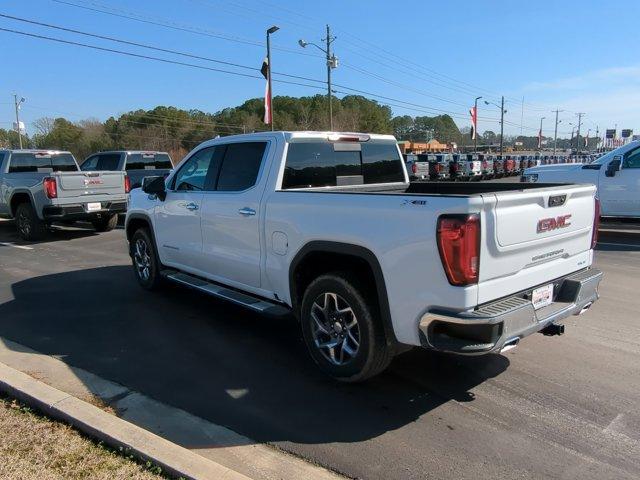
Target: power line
150, 47
148, 57
98, 8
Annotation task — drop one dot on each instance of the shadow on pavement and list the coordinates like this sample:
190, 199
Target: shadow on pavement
55, 233
222, 363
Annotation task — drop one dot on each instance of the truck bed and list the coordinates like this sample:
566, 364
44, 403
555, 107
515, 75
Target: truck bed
464, 189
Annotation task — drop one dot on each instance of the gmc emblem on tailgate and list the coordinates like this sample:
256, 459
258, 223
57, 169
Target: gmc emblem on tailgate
92, 181
549, 224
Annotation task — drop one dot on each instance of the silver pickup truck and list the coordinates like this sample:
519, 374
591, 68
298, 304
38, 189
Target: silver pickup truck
39, 187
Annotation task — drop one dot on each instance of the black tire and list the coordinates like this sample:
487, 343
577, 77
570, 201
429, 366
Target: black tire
29, 226
105, 224
152, 280
372, 354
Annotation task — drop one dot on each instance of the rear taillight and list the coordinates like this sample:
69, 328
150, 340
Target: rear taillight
50, 187
414, 168
596, 224
127, 184
458, 239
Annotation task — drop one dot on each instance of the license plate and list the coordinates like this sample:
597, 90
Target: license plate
93, 207
543, 296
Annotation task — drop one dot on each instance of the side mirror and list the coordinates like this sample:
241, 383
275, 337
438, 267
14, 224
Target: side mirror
154, 186
613, 167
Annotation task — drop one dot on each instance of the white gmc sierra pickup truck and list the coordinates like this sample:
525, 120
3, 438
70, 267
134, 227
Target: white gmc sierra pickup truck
327, 226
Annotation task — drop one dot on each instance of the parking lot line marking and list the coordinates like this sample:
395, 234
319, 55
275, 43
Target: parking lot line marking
636, 245
9, 244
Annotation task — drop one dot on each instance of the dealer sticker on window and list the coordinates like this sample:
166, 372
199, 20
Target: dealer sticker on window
543, 296
93, 207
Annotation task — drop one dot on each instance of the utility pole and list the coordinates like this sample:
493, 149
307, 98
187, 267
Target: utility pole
17, 104
580, 114
332, 62
555, 134
540, 133
597, 138
501, 125
271, 30
475, 127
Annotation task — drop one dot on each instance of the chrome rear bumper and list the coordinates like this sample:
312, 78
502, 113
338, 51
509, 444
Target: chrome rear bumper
489, 327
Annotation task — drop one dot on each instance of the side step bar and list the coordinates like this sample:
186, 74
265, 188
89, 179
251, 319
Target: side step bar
254, 303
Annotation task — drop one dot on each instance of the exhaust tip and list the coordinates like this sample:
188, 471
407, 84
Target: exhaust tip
585, 308
510, 344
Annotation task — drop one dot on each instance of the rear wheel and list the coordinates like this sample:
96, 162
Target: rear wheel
342, 328
29, 226
105, 224
146, 265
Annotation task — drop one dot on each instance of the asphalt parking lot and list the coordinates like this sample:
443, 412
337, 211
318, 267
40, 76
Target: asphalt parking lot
555, 407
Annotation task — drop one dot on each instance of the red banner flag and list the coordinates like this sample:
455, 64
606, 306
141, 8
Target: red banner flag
266, 73
474, 122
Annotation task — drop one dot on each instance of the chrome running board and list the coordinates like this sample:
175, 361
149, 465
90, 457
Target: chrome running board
248, 301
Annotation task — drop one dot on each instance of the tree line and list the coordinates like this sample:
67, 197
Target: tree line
177, 131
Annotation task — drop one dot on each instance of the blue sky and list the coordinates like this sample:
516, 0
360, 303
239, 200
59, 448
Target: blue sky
426, 57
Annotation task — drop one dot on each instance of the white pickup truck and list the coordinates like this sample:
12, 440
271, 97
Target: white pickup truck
616, 174
327, 226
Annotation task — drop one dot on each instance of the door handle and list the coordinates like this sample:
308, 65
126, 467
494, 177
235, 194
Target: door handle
191, 206
247, 212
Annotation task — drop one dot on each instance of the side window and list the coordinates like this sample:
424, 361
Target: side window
89, 164
240, 167
632, 159
193, 175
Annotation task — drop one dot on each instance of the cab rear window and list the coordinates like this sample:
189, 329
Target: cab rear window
42, 162
326, 164
148, 161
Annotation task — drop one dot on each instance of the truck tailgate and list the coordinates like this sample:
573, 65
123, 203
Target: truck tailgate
534, 236
79, 184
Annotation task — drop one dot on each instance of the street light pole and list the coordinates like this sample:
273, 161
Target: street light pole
540, 133
17, 104
475, 127
271, 30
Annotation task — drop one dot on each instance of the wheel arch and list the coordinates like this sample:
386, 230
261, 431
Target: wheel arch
140, 220
18, 197
318, 257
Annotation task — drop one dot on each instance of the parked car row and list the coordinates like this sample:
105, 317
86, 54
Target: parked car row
41, 187
480, 166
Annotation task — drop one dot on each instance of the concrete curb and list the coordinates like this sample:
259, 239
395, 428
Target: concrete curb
113, 431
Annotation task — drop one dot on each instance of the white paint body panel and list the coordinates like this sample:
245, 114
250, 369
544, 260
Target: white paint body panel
401, 235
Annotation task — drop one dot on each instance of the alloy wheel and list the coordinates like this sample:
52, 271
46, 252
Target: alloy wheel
335, 328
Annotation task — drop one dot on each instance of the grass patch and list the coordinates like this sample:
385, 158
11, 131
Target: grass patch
33, 447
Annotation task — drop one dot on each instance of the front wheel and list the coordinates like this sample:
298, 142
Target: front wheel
342, 329
146, 265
